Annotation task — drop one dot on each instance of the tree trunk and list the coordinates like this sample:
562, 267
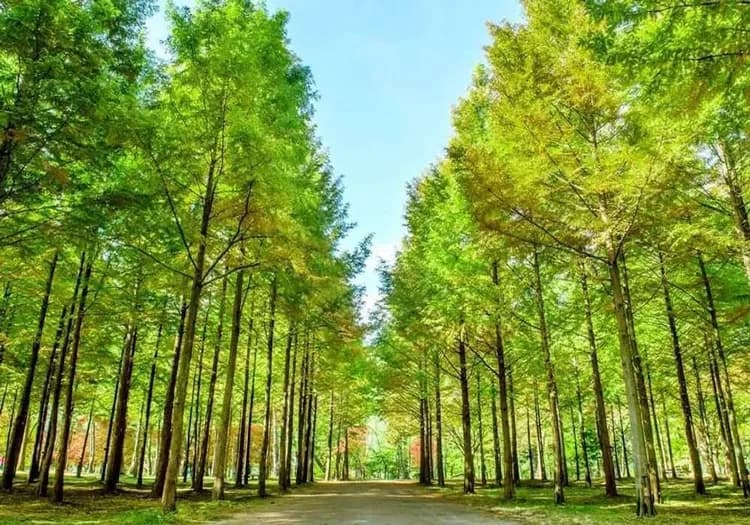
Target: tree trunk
704, 428
44, 401
529, 445
198, 396
630, 362
554, 406
439, 424
147, 420
601, 413
575, 445
79, 468
22, 413
165, 436
169, 494
111, 419
669, 437
200, 469
304, 371
263, 473
239, 475
290, 432
222, 424
496, 439
655, 419
49, 445
513, 427
330, 439
695, 460
584, 445
62, 452
120, 423
248, 465
465, 415
482, 463
286, 412
505, 424
723, 375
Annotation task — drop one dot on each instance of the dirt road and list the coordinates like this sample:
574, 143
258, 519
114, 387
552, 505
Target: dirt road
363, 503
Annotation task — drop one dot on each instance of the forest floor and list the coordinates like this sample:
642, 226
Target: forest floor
373, 502
723, 505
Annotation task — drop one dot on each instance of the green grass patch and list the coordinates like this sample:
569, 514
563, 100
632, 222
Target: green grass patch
723, 505
85, 503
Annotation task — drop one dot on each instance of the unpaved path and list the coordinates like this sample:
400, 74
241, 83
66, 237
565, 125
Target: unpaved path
363, 503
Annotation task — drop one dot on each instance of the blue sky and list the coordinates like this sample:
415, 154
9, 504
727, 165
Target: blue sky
387, 73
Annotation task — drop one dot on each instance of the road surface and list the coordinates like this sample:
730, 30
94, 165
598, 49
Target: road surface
363, 503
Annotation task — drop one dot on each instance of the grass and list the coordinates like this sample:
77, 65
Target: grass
723, 505
85, 503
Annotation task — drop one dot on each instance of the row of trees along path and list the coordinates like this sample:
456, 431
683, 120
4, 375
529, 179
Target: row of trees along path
164, 225
580, 256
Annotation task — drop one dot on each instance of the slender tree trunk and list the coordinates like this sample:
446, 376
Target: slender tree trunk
554, 407
22, 414
575, 445
648, 429
721, 411
165, 435
309, 415
62, 452
222, 424
44, 401
286, 412
346, 454
655, 419
200, 469
539, 437
496, 439
465, 415
482, 463
111, 419
79, 468
190, 424
614, 442
304, 371
630, 361
49, 445
704, 428
290, 414
508, 460
695, 460
248, 465
584, 444
263, 473
169, 494
602, 433
513, 427
149, 399
669, 437
120, 423
529, 446
330, 439
723, 375
198, 397
623, 442
239, 475
439, 424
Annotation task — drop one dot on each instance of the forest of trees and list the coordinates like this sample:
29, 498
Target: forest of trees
571, 299
176, 303
179, 308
